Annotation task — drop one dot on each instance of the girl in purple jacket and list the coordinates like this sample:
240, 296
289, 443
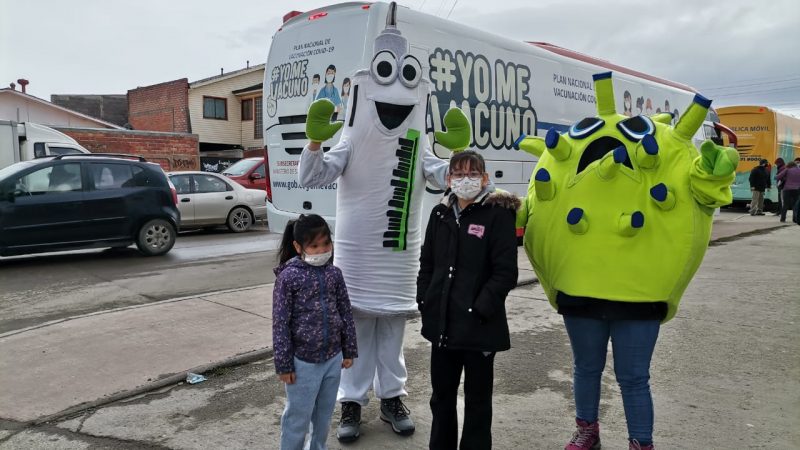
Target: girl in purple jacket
313, 333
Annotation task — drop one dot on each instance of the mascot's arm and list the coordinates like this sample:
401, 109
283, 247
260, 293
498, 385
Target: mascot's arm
712, 173
459, 131
434, 168
317, 168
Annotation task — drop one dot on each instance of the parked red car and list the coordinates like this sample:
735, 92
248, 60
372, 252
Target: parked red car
250, 173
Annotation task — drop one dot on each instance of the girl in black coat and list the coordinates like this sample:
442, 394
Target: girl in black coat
467, 267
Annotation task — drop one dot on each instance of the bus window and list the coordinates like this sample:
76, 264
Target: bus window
727, 136
711, 133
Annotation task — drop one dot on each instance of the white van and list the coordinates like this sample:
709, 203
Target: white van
25, 141
507, 88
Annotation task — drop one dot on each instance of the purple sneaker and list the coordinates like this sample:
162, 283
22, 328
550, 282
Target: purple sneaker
586, 436
635, 445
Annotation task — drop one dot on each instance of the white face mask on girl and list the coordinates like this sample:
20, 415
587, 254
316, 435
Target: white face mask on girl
317, 260
466, 188
329, 78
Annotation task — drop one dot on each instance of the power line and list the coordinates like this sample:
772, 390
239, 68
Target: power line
765, 91
439, 8
786, 103
451, 9
736, 86
753, 79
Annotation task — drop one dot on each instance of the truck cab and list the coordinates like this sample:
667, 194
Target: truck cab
25, 141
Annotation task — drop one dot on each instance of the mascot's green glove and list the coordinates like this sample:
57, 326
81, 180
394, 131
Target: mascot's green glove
717, 160
319, 127
459, 131
711, 175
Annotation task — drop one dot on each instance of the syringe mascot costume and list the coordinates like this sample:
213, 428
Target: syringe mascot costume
617, 219
382, 161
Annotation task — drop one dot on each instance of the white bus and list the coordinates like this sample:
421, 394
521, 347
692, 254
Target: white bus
506, 88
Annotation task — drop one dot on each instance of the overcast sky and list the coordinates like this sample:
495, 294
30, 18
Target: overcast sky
733, 51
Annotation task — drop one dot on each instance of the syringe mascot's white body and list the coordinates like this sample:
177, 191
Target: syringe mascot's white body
382, 162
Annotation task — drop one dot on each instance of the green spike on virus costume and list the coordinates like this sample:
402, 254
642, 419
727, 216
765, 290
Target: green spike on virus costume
620, 208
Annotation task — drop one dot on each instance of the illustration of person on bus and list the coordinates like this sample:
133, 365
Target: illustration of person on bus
345, 96
314, 88
639, 106
627, 104
329, 91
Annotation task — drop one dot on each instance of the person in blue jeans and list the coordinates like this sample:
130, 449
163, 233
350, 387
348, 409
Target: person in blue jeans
633, 330
313, 332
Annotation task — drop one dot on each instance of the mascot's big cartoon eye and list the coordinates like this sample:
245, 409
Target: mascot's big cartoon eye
384, 67
636, 127
585, 127
411, 71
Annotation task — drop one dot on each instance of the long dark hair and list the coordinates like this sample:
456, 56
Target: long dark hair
304, 230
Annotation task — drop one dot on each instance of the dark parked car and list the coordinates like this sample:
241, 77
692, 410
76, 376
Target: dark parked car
86, 201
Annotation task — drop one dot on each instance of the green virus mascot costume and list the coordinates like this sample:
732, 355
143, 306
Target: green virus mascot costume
621, 208
617, 220
382, 162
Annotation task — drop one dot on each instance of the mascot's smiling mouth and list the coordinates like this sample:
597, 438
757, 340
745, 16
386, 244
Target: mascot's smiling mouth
392, 115
597, 149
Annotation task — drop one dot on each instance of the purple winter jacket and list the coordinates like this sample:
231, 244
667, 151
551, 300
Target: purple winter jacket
791, 178
311, 315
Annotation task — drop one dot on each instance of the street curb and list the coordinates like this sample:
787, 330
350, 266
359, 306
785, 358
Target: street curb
756, 232
125, 308
237, 360
243, 358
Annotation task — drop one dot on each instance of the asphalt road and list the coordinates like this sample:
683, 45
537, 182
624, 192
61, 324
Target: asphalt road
35, 289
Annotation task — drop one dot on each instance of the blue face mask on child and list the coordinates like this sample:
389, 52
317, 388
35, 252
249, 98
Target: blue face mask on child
318, 259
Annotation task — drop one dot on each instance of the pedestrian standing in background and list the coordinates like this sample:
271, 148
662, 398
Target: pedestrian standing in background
313, 332
467, 267
759, 182
790, 177
780, 164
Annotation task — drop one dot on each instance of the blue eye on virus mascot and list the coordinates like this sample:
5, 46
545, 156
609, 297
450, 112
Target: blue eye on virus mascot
617, 220
382, 162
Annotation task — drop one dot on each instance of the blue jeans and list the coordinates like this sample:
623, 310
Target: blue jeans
310, 399
632, 342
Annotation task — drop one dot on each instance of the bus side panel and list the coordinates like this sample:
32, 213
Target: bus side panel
788, 137
510, 88
755, 128
506, 88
